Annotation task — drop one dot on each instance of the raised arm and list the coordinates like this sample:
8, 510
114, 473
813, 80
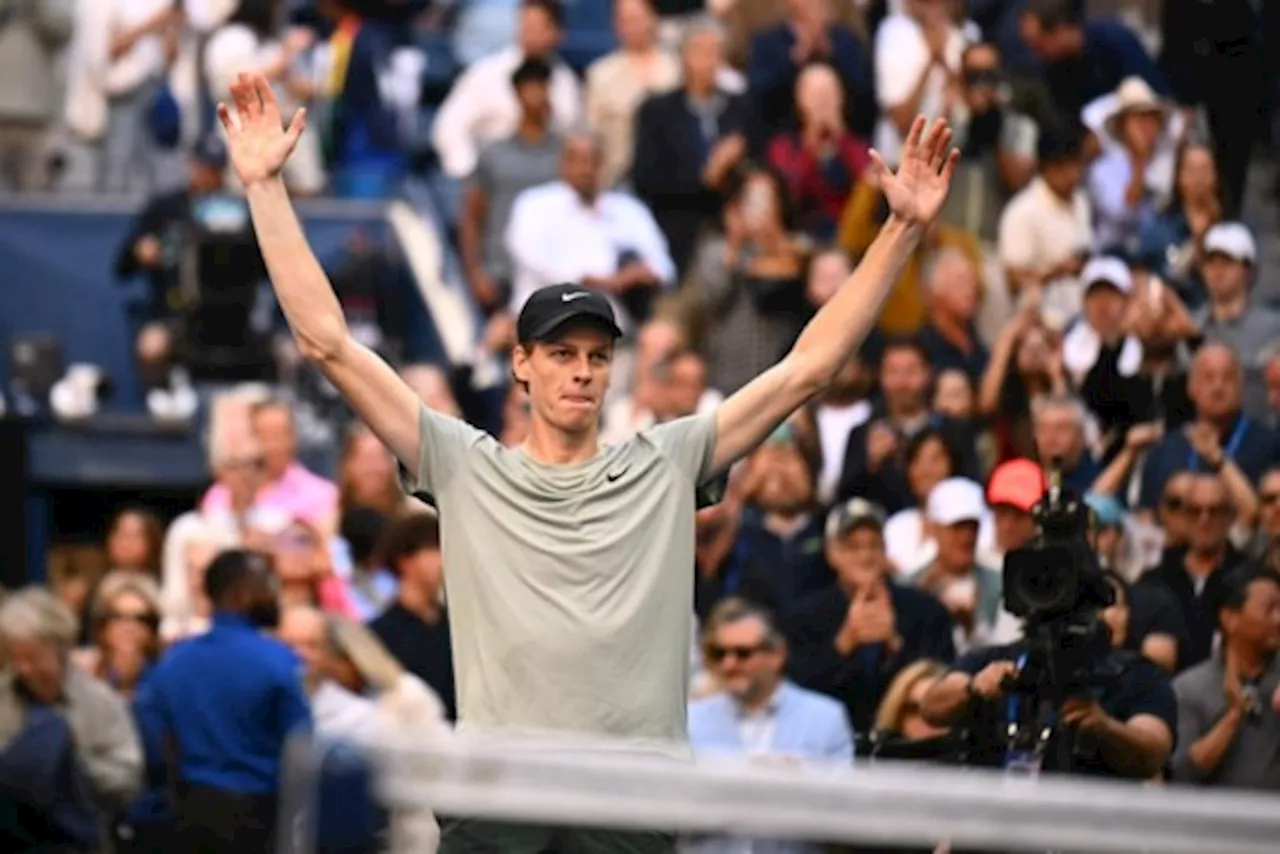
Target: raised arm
259, 144
915, 195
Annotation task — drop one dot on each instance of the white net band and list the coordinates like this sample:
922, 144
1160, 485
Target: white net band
899, 803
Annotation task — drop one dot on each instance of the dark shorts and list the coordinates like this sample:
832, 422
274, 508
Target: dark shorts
467, 836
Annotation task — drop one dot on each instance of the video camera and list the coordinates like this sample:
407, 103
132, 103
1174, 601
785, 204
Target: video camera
1057, 586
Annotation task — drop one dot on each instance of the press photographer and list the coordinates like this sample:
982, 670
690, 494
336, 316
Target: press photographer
1062, 698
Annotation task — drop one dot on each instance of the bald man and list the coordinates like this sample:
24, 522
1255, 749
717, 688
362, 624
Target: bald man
338, 713
1221, 438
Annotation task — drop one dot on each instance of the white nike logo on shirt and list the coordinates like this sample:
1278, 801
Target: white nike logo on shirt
574, 296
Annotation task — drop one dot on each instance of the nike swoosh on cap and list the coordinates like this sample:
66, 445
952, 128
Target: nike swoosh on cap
573, 296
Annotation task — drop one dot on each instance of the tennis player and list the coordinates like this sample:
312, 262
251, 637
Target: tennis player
568, 564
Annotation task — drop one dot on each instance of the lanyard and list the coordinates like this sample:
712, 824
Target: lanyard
1045, 727
1229, 451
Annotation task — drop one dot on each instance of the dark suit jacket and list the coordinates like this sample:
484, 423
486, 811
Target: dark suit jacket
666, 172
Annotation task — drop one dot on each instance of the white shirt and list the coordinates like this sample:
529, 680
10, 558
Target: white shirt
482, 107
145, 59
835, 423
231, 50
1039, 230
338, 713
554, 237
901, 56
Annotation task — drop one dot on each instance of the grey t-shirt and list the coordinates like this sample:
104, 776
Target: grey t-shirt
505, 169
1253, 335
570, 588
1253, 759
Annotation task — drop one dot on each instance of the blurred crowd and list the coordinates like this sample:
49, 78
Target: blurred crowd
1088, 299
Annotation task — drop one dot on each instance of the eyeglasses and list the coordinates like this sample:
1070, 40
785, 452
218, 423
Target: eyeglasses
718, 654
1205, 511
151, 621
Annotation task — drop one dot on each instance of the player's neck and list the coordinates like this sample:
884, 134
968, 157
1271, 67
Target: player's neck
551, 446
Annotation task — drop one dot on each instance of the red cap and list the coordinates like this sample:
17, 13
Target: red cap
1017, 483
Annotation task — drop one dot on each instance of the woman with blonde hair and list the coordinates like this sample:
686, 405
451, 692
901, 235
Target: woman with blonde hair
899, 712
124, 631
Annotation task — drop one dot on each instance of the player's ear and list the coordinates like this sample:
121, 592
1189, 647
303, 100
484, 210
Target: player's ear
520, 362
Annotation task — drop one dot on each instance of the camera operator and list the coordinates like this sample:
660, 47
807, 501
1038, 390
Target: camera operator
1062, 698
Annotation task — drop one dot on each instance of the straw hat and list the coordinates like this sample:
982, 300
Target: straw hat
1135, 95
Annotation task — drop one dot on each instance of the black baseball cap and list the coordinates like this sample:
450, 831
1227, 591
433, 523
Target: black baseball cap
552, 308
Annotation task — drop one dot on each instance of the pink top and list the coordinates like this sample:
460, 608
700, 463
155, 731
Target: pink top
299, 494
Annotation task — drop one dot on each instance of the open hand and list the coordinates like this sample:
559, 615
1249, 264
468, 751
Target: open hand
258, 142
915, 192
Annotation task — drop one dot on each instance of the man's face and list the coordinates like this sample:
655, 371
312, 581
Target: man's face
567, 378
904, 378
539, 36
1258, 620
1050, 44
1063, 176
1014, 526
781, 479
1214, 385
980, 70
1224, 277
38, 666
424, 568
273, 427
1140, 131
534, 97
957, 544
955, 288
748, 666
858, 558
1104, 309
702, 57
1058, 433
1208, 515
303, 631
827, 272
686, 382
580, 165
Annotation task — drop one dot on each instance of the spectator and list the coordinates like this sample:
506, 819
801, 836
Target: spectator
681, 387
929, 461
371, 586
1014, 489
1025, 363
304, 568
226, 702
255, 40
617, 84
287, 487
899, 711
124, 624
32, 38
971, 593
780, 52
367, 474
689, 142
482, 107
338, 713
37, 634
431, 385
723, 566
997, 145
1267, 536
742, 643
571, 230
415, 627
950, 337
504, 169
843, 408
1221, 437
1084, 59
747, 284
633, 410
821, 159
917, 59
849, 643
1058, 429
1194, 574
1130, 180
1045, 230
1228, 723
781, 528
1232, 315
1170, 243
134, 540
875, 455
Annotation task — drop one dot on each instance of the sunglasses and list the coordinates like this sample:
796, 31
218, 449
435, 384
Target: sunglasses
1204, 511
1173, 502
718, 654
151, 621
